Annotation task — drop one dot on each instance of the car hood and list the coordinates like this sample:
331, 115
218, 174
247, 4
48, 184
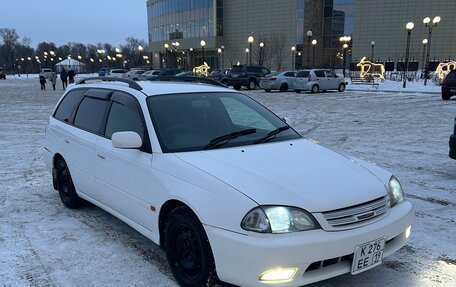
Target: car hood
293, 173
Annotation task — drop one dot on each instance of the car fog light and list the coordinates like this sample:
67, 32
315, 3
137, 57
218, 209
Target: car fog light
278, 275
407, 232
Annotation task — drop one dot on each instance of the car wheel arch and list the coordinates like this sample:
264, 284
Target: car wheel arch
55, 180
165, 211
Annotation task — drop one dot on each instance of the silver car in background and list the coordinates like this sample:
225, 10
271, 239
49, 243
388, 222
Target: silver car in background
282, 81
117, 73
316, 80
149, 74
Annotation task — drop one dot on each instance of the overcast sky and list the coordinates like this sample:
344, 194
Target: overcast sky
85, 21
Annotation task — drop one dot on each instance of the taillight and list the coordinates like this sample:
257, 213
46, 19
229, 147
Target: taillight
272, 78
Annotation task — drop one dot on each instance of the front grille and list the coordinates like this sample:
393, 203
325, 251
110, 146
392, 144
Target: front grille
328, 262
354, 215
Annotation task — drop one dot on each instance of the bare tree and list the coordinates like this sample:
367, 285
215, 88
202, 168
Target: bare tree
277, 48
10, 39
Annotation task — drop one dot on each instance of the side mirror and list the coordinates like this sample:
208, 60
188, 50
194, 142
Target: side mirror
126, 140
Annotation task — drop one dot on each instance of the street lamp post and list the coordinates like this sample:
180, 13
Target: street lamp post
425, 41
219, 51
372, 50
345, 40
223, 55
314, 44
293, 56
203, 44
166, 46
409, 27
250, 40
261, 53
427, 23
191, 58
309, 35
247, 52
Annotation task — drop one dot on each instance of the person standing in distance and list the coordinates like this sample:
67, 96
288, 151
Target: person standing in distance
64, 78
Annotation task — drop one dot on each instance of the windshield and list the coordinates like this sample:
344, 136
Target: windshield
199, 121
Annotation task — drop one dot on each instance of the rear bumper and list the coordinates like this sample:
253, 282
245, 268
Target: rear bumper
240, 259
448, 90
453, 146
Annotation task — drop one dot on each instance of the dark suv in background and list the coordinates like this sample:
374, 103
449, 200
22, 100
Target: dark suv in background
247, 75
449, 85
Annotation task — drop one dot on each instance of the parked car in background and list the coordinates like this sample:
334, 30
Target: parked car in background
2, 74
149, 74
282, 81
449, 85
117, 73
46, 73
134, 74
228, 189
186, 74
219, 75
103, 72
453, 142
170, 72
316, 80
247, 75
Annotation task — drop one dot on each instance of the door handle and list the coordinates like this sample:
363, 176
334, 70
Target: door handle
67, 141
100, 156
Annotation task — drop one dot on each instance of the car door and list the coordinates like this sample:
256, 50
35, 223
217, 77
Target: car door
80, 139
302, 78
320, 79
290, 79
124, 176
331, 80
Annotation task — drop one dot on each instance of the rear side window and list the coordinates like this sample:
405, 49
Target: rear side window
265, 71
303, 74
289, 74
68, 105
320, 74
90, 114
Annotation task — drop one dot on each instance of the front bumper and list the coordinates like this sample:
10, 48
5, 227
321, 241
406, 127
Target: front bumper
453, 146
240, 259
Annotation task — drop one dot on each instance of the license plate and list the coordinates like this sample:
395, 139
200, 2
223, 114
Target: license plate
453, 90
368, 255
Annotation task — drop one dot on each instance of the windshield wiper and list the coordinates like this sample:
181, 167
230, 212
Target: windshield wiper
271, 134
221, 140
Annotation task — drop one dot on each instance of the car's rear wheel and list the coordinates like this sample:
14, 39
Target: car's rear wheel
341, 87
315, 89
225, 82
66, 188
446, 96
188, 251
252, 85
297, 91
284, 87
237, 87
268, 90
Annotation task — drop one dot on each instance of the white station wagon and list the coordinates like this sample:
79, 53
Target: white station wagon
227, 188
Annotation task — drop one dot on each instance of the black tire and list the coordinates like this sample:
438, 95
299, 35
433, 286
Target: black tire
446, 96
135, 79
284, 87
297, 91
267, 90
188, 250
225, 82
66, 188
251, 85
315, 89
341, 87
237, 87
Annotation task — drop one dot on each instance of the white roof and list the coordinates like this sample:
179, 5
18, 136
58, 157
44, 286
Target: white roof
70, 62
162, 88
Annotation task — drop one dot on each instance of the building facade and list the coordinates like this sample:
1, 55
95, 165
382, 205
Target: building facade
178, 27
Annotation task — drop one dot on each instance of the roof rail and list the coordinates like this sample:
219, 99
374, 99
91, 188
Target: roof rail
187, 79
132, 84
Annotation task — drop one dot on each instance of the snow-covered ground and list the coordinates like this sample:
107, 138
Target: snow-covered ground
44, 244
395, 86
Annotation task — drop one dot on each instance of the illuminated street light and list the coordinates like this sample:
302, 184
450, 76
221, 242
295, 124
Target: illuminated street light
427, 24
309, 36
372, 50
250, 40
203, 45
409, 27
261, 53
314, 44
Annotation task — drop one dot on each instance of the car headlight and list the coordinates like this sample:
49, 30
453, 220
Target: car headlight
395, 191
278, 219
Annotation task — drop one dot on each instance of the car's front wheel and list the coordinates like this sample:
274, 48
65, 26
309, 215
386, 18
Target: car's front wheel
341, 87
284, 87
315, 89
237, 87
267, 90
188, 251
66, 188
252, 85
446, 96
